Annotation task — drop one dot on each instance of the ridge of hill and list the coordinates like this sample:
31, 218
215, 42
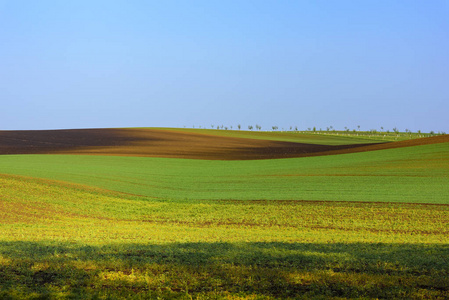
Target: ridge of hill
178, 144
391, 145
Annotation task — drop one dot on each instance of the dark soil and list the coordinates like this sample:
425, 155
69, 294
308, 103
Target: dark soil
176, 144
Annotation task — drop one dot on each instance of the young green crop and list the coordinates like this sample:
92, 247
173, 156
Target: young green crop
414, 174
173, 228
61, 240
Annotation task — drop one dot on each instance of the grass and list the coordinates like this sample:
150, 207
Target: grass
96, 227
60, 240
33, 202
223, 271
414, 174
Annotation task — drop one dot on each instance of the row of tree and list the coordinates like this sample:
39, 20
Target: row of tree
314, 129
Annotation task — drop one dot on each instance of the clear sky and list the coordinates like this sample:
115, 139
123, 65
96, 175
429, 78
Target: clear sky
87, 64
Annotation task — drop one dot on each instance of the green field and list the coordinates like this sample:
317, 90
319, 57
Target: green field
69, 241
413, 174
362, 225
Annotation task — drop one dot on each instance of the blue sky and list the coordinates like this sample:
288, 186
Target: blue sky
90, 64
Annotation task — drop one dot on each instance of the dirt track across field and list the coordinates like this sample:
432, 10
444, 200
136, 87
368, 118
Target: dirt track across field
172, 143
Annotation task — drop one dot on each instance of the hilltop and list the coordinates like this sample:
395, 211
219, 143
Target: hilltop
200, 144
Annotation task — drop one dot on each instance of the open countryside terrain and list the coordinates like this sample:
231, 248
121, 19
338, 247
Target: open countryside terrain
169, 143
147, 213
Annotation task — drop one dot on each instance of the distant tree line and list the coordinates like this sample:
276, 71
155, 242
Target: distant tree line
329, 129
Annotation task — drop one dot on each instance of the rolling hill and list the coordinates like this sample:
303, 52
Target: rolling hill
177, 214
187, 144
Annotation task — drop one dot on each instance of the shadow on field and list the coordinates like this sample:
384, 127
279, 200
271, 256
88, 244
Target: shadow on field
218, 269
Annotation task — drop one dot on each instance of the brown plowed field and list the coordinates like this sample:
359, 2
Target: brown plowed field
167, 143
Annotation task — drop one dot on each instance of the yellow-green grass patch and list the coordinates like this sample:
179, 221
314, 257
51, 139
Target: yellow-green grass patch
82, 243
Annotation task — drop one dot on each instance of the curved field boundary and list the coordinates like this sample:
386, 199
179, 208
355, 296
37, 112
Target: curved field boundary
411, 174
174, 144
153, 143
383, 146
285, 136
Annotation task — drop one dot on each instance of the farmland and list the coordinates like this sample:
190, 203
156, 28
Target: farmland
133, 223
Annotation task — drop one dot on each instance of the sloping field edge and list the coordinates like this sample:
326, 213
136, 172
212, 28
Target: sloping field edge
177, 144
390, 145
